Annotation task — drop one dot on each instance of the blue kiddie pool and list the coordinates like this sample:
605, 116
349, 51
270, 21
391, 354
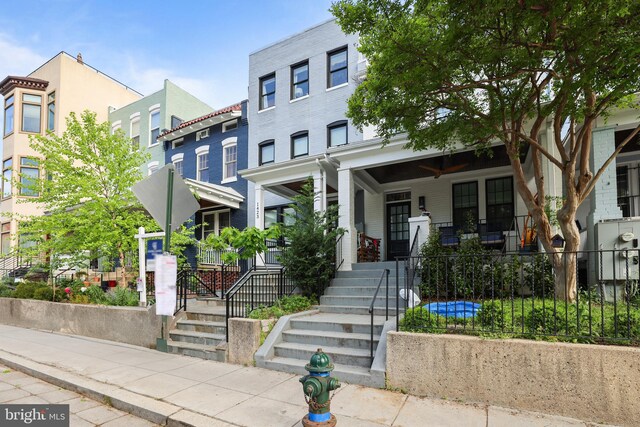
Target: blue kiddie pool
460, 309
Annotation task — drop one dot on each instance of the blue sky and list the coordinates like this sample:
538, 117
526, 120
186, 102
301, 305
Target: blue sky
202, 46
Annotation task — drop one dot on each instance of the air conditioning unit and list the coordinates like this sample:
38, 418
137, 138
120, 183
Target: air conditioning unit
204, 133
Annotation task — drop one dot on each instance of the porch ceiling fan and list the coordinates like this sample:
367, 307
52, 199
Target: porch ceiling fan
443, 169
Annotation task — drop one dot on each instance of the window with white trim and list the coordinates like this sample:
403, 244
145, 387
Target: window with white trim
202, 163
337, 67
229, 159
230, 125
152, 167
154, 127
115, 126
135, 132
215, 222
177, 159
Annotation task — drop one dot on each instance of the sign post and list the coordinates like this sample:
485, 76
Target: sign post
179, 206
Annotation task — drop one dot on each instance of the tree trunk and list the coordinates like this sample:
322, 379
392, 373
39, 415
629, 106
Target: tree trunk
123, 270
567, 282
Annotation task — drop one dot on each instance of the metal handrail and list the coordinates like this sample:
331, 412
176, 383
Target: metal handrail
339, 254
385, 273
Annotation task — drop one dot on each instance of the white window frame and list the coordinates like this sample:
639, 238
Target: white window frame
216, 215
176, 141
225, 125
229, 142
115, 126
134, 118
154, 109
178, 158
152, 167
201, 151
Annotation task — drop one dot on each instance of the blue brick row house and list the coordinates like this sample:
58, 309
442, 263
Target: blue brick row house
208, 152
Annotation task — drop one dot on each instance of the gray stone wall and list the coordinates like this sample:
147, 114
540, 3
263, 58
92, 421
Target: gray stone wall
130, 325
589, 382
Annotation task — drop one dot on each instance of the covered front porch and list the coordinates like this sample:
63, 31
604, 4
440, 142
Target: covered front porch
379, 189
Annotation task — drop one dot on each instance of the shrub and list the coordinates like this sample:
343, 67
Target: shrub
96, 295
26, 290
5, 291
123, 297
419, 319
545, 320
282, 306
45, 293
491, 316
310, 257
538, 276
625, 325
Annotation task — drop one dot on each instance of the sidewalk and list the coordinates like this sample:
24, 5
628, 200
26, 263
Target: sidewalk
177, 390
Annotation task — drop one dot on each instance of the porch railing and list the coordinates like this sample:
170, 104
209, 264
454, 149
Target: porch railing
257, 288
515, 295
209, 256
383, 278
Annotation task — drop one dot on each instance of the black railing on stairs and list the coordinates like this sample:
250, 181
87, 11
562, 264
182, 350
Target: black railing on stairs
257, 288
384, 277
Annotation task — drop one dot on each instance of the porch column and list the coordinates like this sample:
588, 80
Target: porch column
319, 188
346, 195
259, 207
259, 217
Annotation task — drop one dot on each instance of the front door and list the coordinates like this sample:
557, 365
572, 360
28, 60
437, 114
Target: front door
397, 229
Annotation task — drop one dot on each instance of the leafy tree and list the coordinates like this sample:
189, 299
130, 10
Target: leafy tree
247, 243
310, 256
85, 190
449, 72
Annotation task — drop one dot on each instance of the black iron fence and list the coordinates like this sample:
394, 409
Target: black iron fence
257, 288
523, 295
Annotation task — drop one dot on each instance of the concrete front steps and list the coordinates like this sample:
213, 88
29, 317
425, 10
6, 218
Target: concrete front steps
341, 327
201, 332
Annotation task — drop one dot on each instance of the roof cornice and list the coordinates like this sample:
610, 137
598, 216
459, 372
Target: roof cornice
12, 82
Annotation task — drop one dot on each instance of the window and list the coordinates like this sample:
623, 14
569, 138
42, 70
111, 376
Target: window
51, 111
175, 122
279, 215
465, 205
300, 80
268, 91
215, 222
8, 115
29, 174
337, 134
622, 181
6, 238
152, 168
267, 152
154, 127
201, 134
176, 159
115, 126
31, 111
299, 144
135, 133
177, 143
337, 67
499, 203
202, 163
230, 125
229, 159
7, 173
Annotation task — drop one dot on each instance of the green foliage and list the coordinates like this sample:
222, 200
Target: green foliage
450, 73
284, 305
5, 291
419, 319
247, 243
87, 193
491, 315
96, 295
26, 290
545, 320
625, 325
310, 257
124, 297
538, 276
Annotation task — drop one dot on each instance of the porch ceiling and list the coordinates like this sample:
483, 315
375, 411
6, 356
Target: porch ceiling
430, 167
215, 195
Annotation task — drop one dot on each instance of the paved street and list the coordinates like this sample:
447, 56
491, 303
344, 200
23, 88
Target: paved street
178, 390
19, 388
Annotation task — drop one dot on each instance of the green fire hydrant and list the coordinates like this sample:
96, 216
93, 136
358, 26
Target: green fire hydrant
316, 387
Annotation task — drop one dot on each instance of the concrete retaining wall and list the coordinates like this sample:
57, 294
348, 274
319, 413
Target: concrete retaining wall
589, 382
244, 340
130, 325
